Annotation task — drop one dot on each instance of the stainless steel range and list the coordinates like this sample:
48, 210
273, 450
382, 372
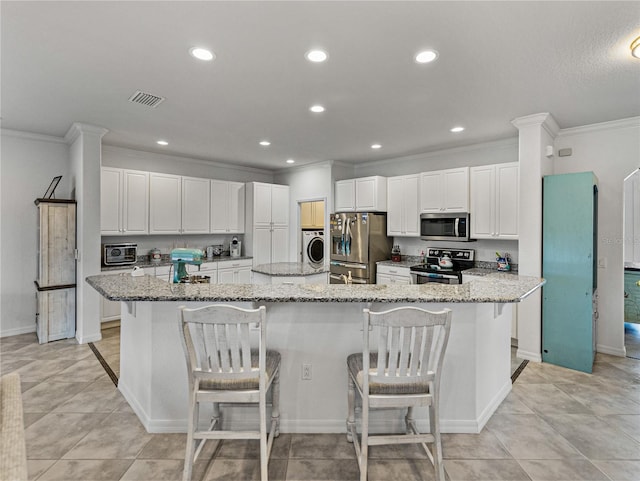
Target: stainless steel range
444, 266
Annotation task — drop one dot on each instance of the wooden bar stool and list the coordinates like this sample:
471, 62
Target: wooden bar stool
404, 372
222, 367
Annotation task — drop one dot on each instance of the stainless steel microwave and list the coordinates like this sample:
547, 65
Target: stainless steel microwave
452, 226
119, 254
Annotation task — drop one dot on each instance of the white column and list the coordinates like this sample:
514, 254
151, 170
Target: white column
85, 143
536, 132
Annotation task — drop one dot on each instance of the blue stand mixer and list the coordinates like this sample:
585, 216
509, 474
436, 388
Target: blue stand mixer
180, 258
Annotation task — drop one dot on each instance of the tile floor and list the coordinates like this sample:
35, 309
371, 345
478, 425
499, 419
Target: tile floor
556, 424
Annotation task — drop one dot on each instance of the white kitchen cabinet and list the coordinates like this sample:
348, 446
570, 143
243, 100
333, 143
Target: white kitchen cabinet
386, 274
445, 190
178, 205
494, 201
365, 194
403, 216
227, 207
165, 203
267, 223
195, 205
124, 201
110, 310
234, 272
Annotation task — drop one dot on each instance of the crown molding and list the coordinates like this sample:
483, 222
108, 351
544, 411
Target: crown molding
631, 122
20, 134
209, 163
545, 120
492, 144
79, 128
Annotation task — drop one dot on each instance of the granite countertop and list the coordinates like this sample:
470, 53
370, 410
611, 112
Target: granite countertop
144, 262
483, 272
289, 269
498, 288
405, 262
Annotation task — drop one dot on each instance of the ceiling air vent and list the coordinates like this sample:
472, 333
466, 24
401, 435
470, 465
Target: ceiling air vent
145, 98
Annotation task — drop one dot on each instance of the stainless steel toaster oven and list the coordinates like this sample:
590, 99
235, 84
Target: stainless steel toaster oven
119, 254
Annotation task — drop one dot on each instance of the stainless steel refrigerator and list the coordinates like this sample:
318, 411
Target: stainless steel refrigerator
358, 241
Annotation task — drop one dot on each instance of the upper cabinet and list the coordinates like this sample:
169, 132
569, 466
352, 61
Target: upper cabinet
312, 215
403, 216
366, 194
178, 205
165, 204
227, 207
267, 223
445, 190
494, 201
195, 205
124, 201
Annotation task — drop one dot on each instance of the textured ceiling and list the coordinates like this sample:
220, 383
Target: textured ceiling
65, 62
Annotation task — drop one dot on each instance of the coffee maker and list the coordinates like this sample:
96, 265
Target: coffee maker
235, 247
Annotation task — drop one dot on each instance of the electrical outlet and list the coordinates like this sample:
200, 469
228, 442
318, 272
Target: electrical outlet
306, 372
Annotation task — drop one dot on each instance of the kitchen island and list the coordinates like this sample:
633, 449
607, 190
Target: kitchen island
289, 273
319, 325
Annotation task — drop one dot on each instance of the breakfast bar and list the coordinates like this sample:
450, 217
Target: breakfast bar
317, 325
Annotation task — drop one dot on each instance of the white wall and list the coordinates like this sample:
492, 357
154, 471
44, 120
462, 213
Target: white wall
28, 163
169, 164
311, 182
612, 151
631, 223
495, 152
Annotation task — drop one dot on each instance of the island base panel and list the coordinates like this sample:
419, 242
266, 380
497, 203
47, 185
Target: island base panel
475, 379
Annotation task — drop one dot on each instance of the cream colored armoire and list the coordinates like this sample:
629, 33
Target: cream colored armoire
56, 276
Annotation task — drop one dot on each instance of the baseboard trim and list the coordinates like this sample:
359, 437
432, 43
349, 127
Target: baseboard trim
529, 356
86, 339
16, 331
612, 351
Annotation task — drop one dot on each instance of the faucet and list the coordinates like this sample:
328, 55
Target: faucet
347, 280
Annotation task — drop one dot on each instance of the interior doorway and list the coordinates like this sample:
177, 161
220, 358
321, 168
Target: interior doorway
631, 256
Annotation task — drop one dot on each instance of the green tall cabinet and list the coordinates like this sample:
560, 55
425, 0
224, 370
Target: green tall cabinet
569, 265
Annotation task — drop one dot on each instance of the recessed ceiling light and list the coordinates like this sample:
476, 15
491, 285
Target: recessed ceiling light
162, 142
455, 130
202, 53
426, 56
316, 56
291, 161
317, 108
635, 48
265, 143
376, 146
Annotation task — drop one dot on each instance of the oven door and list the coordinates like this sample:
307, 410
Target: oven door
426, 277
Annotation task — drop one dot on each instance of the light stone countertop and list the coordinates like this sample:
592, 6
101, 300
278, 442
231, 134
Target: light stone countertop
286, 269
498, 288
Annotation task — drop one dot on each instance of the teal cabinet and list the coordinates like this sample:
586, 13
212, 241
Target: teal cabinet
631, 296
569, 265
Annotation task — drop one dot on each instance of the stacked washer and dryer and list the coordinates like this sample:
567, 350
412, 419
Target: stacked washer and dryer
313, 247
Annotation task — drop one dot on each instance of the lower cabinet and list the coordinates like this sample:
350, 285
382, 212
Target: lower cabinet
56, 314
110, 310
386, 274
235, 272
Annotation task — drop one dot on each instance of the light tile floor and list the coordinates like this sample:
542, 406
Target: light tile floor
556, 424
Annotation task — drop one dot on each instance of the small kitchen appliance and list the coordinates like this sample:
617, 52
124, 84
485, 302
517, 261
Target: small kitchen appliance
155, 255
180, 258
446, 226
395, 254
214, 250
444, 266
235, 247
119, 254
